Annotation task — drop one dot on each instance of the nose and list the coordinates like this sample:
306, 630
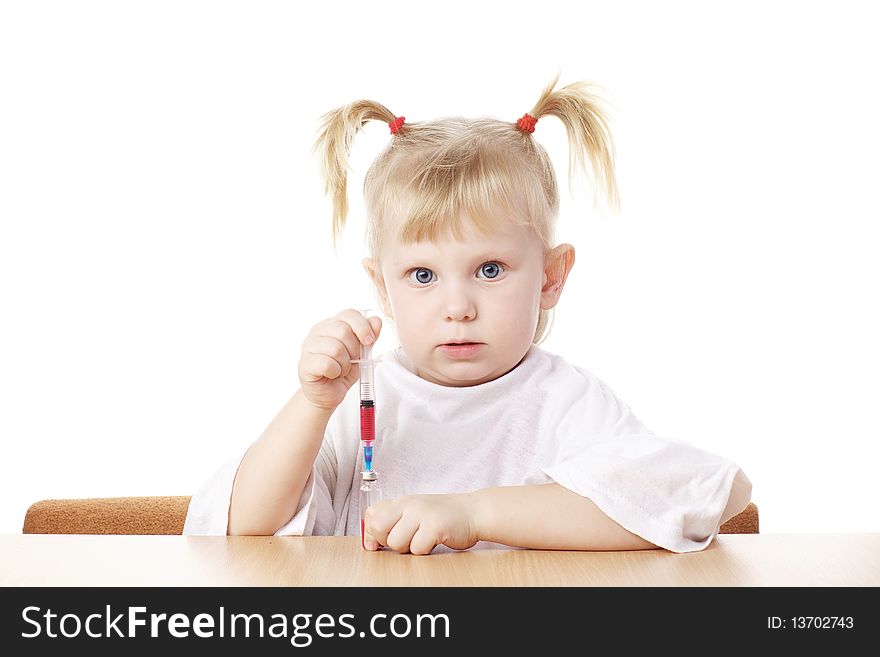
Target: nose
459, 305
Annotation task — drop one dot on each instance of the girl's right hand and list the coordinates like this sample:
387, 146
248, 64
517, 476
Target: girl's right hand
325, 369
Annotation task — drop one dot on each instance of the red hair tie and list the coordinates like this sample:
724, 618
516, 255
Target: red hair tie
395, 124
527, 123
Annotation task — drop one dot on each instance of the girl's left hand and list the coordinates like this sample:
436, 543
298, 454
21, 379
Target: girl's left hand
418, 523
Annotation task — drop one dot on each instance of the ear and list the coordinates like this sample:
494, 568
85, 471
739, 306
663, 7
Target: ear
557, 264
375, 273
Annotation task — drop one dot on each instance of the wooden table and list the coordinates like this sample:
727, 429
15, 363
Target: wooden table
731, 560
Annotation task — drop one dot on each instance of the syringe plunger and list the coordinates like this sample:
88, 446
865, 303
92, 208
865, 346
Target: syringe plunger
365, 373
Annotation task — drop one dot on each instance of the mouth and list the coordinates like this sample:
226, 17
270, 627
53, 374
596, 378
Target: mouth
461, 350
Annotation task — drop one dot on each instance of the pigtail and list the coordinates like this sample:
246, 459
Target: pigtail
581, 112
333, 146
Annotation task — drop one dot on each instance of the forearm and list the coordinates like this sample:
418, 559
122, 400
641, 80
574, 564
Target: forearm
548, 517
274, 471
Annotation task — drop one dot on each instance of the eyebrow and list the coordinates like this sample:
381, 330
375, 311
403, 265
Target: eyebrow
483, 256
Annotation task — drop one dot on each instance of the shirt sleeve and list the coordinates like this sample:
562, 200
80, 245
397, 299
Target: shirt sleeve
208, 513
314, 515
667, 491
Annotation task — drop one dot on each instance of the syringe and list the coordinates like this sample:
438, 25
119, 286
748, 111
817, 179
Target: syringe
366, 368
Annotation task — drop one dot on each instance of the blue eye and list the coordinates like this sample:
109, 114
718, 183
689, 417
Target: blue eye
423, 276
491, 269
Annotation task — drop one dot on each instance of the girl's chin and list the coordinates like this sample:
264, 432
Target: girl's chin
458, 374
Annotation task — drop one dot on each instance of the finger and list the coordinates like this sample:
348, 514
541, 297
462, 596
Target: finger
379, 519
368, 542
376, 325
361, 326
319, 366
341, 330
333, 347
424, 540
400, 536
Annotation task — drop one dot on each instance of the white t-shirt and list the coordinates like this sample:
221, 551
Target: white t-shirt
544, 421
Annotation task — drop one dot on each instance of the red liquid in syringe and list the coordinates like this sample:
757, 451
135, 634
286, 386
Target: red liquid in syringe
368, 421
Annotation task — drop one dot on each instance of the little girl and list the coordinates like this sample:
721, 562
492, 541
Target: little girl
482, 437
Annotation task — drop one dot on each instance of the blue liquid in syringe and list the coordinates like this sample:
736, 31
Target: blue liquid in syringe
368, 458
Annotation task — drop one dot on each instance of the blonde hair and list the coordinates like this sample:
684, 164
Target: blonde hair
432, 172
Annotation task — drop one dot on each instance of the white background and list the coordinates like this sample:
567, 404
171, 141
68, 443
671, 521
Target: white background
165, 244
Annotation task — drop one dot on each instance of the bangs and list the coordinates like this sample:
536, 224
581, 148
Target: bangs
437, 196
